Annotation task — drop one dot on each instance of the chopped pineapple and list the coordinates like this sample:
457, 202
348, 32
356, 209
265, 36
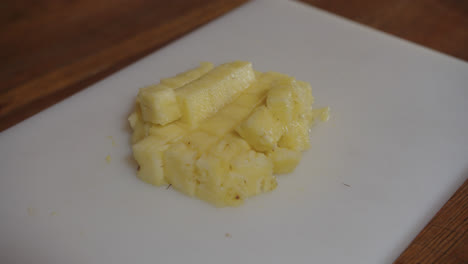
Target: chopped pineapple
303, 97
179, 168
281, 103
137, 124
159, 104
168, 133
261, 129
200, 141
296, 136
148, 153
255, 171
202, 98
221, 133
284, 160
184, 78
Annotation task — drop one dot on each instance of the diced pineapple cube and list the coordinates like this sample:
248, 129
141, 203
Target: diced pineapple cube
217, 185
159, 104
199, 140
261, 129
217, 125
168, 133
179, 168
212, 169
250, 100
280, 102
311, 116
183, 78
296, 136
284, 160
205, 96
254, 171
134, 119
303, 97
137, 124
236, 113
148, 153
228, 147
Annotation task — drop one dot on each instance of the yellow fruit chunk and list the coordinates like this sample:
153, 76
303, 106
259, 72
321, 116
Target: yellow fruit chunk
199, 140
261, 129
183, 78
179, 168
205, 96
284, 160
168, 133
137, 124
254, 171
148, 152
296, 136
212, 171
229, 146
218, 125
159, 104
302, 97
280, 102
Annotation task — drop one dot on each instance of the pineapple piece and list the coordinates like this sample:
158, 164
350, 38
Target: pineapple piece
280, 102
230, 183
230, 146
138, 125
284, 160
254, 171
250, 100
218, 125
168, 133
302, 97
296, 136
311, 116
231, 115
134, 119
212, 171
148, 152
218, 185
159, 104
199, 140
184, 78
261, 129
204, 97
179, 168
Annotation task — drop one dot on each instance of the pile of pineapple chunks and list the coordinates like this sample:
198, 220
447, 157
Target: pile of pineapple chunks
221, 133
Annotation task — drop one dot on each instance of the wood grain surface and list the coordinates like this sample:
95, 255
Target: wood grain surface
441, 25
50, 49
444, 239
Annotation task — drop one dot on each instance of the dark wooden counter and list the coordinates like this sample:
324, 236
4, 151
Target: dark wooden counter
50, 49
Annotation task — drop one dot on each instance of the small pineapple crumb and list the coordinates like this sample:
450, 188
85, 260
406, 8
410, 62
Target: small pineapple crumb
227, 235
31, 211
53, 213
108, 159
112, 139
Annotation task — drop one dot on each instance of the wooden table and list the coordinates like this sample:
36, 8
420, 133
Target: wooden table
50, 49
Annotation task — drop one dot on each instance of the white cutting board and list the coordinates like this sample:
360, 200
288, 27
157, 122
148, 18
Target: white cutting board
398, 136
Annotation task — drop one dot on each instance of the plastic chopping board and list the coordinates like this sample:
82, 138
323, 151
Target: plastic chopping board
394, 150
